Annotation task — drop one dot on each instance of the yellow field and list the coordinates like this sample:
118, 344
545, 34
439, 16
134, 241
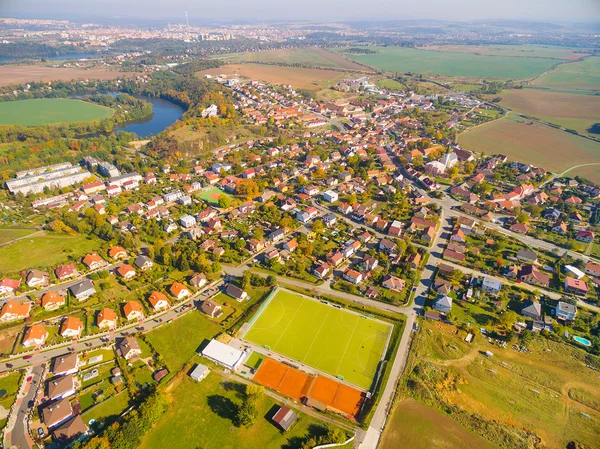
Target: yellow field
19, 74
299, 78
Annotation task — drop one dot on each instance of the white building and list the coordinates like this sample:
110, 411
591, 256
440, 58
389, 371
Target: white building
492, 286
200, 372
224, 355
330, 196
187, 221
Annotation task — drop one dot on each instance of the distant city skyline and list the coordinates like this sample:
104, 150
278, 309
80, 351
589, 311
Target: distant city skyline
307, 10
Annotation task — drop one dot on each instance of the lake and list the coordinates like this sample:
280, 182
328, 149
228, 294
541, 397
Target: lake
164, 115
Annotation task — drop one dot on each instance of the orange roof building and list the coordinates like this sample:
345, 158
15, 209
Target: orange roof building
107, 318
35, 335
14, 310
158, 300
117, 252
71, 327
52, 301
179, 290
133, 310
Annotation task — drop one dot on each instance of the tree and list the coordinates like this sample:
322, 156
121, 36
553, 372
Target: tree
508, 318
318, 226
259, 233
452, 172
224, 201
254, 392
248, 188
246, 414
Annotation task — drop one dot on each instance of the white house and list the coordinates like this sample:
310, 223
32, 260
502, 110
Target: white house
187, 221
443, 304
491, 286
449, 160
230, 358
330, 196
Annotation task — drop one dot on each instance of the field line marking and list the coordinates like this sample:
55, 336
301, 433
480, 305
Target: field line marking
288, 325
316, 335
347, 344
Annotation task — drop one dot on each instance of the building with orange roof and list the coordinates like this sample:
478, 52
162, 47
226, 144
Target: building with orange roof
14, 310
133, 310
52, 301
179, 290
93, 261
126, 271
71, 327
117, 252
158, 300
35, 335
107, 318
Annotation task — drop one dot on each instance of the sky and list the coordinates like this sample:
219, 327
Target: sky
311, 10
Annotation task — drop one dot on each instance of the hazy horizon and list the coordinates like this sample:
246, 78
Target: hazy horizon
557, 11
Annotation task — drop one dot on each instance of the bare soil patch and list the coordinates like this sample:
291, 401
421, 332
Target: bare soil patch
19, 74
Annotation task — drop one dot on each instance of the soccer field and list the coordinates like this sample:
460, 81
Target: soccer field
329, 339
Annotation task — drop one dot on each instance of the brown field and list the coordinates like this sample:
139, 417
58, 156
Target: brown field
298, 78
19, 74
337, 395
533, 143
416, 426
572, 111
286, 380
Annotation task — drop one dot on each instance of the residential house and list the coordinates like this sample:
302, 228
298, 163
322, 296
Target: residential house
14, 310
106, 318
585, 235
592, 269
453, 256
443, 304
133, 311
565, 311
65, 364
158, 301
117, 252
52, 301
126, 271
70, 431
519, 228
143, 262
128, 348
93, 261
82, 290
530, 274
61, 387
8, 285
35, 335
321, 271
179, 290
291, 245
198, 280
526, 255
395, 228
491, 286
532, 309
393, 283
576, 286
66, 271
56, 413
36, 278
71, 327
330, 196
387, 246
235, 292
211, 308
353, 276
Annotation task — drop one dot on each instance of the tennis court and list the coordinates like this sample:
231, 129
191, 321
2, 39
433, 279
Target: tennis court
325, 337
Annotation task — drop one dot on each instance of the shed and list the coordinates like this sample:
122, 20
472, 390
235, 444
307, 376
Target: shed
284, 418
200, 372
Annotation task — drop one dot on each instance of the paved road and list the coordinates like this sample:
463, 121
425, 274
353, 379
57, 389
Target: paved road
19, 435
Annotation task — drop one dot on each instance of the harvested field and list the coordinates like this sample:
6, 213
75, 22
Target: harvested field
307, 57
574, 111
286, 380
299, 78
341, 397
514, 51
417, 426
19, 74
581, 75
50, 110
532, 143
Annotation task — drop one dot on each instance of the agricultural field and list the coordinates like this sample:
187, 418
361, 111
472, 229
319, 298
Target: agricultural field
10, 234
572, 111
417, 426
204, 417
306, 57
514, 51
42, 251
333, 340
179, 341
533, 143
19, 74
299, 78
50, 110
401, 59
547, 390
581, 75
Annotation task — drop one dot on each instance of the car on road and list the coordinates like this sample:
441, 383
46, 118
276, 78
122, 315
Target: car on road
31, 403
40, 432
29, 379
27, 357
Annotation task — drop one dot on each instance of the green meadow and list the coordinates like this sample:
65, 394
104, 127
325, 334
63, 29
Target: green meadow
50, 110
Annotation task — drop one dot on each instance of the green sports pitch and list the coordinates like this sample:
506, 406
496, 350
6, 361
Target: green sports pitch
50, 110
328, 338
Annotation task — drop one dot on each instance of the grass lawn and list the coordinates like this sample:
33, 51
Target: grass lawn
546, 391
9, 385
177, 342
402, 59
109, 409
330, 339
50, 110
201, 416
8, 234
44, 251
532, 143
254, 360
581, 75
211, 196
417, 426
